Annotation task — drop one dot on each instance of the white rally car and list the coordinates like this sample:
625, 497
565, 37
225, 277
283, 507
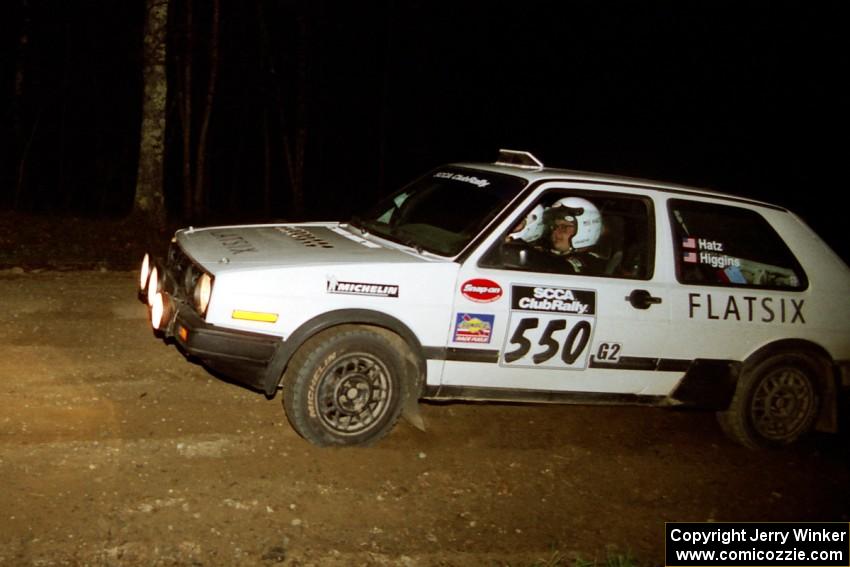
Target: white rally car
516, 282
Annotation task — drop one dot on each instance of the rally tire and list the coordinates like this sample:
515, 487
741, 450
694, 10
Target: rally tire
345, 387
776, 402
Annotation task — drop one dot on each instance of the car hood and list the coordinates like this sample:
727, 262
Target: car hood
260, 246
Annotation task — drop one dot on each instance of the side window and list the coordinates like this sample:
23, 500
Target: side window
724, 245
575, 232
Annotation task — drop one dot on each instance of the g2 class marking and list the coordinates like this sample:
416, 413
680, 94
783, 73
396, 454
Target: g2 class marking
558, 319
749, 309
609, 352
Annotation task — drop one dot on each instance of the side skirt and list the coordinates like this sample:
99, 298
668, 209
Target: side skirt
707, 384
538, 396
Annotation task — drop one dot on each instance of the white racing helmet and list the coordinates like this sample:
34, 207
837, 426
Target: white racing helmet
533, 227
586, 216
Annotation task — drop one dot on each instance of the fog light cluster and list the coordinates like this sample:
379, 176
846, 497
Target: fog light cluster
150, 288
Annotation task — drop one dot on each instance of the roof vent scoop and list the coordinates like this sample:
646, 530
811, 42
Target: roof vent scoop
518, 159
304, 236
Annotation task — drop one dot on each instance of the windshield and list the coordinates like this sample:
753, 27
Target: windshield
443, 211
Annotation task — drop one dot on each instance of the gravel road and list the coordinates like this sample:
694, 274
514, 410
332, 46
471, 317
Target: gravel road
115, 450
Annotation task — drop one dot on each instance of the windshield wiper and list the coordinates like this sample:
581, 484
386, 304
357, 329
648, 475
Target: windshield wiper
406, 240
359, 224
413, 244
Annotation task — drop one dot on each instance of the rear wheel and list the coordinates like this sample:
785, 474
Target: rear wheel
776, 402
345, 387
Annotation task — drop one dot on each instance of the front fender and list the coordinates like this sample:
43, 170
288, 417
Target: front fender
325, 321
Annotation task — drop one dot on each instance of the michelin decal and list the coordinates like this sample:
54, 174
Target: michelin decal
359, 288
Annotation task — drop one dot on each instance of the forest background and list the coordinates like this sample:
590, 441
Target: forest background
297, 109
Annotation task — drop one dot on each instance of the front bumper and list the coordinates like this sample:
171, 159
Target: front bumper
241, 356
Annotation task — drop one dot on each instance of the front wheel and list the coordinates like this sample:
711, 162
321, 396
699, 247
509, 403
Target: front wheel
776, 402
345, 387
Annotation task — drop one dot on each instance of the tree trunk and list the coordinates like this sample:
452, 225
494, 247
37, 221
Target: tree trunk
185, 96
19, 145
150, 200
198, 200
267, 165
295, 152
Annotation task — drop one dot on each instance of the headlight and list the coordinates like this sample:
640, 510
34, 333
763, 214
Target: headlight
144, 272
202, 293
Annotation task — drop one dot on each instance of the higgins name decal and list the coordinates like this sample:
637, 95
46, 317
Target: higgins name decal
704, 251
746, 308
356, 288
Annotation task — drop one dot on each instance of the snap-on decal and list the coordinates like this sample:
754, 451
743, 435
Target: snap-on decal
481, 290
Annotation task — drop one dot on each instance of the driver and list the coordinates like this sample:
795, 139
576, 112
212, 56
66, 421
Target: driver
574, 226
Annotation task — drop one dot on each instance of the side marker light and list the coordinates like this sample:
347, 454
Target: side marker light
254, 316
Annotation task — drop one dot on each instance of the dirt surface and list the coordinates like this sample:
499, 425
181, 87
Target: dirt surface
115, 450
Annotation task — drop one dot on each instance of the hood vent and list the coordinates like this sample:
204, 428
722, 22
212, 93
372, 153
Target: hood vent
305, 237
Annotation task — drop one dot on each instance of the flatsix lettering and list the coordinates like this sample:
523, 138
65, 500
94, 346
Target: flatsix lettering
746, 308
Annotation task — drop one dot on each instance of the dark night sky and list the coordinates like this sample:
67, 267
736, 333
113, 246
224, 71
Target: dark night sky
742, 97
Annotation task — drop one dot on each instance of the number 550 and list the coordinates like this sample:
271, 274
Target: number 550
574, 343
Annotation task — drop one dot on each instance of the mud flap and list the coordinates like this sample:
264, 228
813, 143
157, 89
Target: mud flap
410, 412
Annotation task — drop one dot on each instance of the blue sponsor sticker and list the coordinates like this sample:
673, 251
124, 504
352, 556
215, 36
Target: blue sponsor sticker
473, 327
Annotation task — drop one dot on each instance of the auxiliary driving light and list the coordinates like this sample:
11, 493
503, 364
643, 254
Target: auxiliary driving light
157, 311
144, 273
153, 285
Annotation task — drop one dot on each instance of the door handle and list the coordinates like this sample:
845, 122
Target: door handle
642, 299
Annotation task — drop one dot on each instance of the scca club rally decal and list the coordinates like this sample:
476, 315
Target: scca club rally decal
481, 290
549, 327
473, 328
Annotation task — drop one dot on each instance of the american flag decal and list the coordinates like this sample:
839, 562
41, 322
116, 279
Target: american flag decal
690, 257
689, 243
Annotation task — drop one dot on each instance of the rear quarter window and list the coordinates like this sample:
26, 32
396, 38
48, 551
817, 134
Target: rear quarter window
729, 246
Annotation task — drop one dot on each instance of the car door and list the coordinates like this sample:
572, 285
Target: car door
528, 329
